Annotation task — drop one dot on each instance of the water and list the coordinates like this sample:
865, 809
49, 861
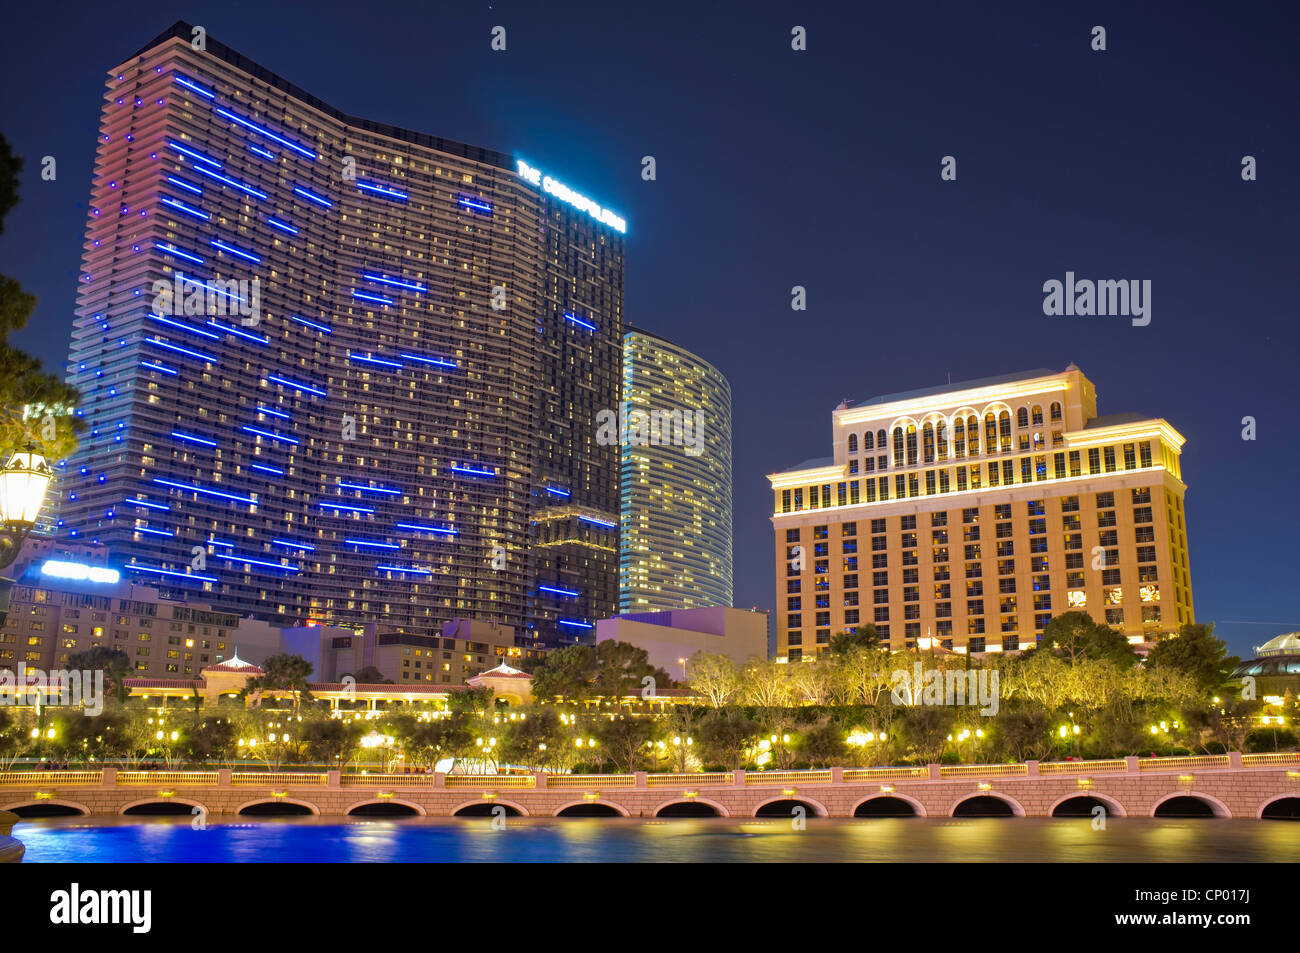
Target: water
880, 840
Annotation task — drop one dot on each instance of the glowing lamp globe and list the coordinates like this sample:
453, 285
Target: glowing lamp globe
23, 483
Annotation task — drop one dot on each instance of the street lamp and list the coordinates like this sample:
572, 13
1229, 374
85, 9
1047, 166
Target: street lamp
23, 482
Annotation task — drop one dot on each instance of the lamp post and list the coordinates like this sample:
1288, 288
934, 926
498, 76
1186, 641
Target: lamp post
23, 482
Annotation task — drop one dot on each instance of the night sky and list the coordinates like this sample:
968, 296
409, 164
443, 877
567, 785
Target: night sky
821, 168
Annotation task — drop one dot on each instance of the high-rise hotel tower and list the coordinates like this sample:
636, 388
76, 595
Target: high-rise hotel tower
676, 535
392, 413
974, 513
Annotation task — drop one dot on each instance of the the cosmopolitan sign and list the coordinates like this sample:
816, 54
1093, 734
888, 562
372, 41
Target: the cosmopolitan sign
566, 194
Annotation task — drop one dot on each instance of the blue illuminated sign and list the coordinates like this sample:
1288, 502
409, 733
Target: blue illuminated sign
565, 194
79, 571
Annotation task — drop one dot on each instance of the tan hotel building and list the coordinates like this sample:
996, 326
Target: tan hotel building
975, 512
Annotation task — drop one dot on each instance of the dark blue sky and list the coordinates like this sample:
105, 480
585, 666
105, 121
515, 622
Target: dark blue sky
821, 169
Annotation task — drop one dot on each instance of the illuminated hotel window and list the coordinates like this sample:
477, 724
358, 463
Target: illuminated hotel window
1144, 449
1075, 466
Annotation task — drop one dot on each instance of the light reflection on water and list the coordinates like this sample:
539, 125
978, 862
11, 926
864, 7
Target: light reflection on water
415, 840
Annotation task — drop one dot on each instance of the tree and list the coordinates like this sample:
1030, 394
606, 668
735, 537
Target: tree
726, 734
620, 669
284, 672
114, 663
823, 744
713, 676
565, 673
1195, 651
27, 393
333, 741
1074, 636
864, 637
623, 740
370, 675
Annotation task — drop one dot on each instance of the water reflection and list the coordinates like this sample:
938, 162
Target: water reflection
876, 840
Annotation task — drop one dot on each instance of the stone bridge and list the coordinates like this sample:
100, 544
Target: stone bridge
1230, 785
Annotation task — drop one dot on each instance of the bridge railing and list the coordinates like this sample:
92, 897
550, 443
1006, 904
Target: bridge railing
264, 778
480, 781
707, 778
590, 780
984, 770
128, 778
788, 777
1176, 763
920, 772
1263, 759
12, 778
1109, 766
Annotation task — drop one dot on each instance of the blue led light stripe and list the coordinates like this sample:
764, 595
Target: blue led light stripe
177, 204
273, 413
295, 384
472, 471
173, 347
276, 223
342, 506
558, 491
369, 489
558, 592
258, 150
270, 436
292, 545
152, 506
189, 84
141, 567
311, 324
198, 156
152, 532
476, 204
181, 183
383, 190
407, 569
373, 545
437, 361
318, 199
231, 182
222, 543
199, 489
193, 439
578, 321
173, 250
393, 281
159, 367
216, 243
376, 298
265, 132
236, 331
250, 561
257, 466
372, 360
577, 624
427, 529
591, 519
184, 327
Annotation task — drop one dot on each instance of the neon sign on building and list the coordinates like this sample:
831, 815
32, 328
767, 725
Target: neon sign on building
566, 194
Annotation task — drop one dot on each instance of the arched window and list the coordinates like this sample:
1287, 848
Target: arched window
898, 446
972, 436
941, 435
867, 442
927, 439
880, 440
959, 438
853, 443
1037, 414
1056, 410
1022, 418
990, 433
911, 445
1004, 430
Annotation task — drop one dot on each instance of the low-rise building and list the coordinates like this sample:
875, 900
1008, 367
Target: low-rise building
671, 638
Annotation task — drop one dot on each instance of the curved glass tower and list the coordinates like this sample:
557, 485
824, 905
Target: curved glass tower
675, 541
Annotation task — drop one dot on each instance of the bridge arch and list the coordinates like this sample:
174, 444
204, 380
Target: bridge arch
23, 808
1112, 806
584, 802
816, 807
412, 809
518, 809
1217, 807
1279, 804
718, 809
980, 798
918, 809
145, 801
257, 802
